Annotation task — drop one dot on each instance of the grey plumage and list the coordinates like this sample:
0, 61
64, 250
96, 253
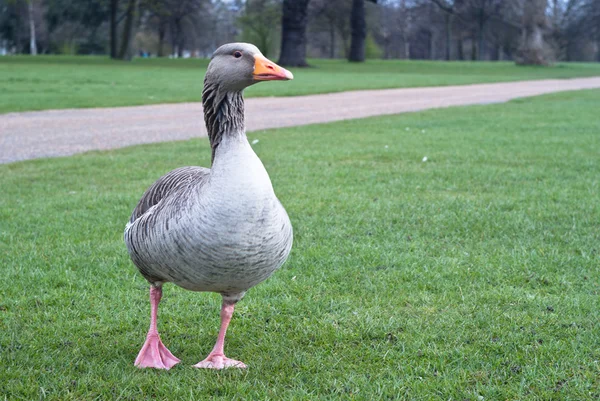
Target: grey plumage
160, 204
220, 229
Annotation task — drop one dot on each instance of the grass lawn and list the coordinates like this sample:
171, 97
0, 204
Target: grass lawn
55, 82
473, 274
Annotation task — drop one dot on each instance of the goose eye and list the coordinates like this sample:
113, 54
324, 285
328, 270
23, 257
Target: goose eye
237, 54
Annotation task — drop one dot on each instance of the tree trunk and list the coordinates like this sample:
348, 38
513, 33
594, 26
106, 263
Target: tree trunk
481, 40
127, 31
448, 35
460, 53
405, 30
497, 54
432, 50
32, 42
473, 48
114, 5
176, 33
533, 50
358, 25
386, 48
293, 33
331, 41
180, 47
161, 38
173, 35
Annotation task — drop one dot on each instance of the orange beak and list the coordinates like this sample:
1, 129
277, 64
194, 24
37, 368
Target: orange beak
266, 70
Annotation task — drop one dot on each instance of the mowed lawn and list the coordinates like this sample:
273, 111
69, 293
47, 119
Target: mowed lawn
470, 276
58, 82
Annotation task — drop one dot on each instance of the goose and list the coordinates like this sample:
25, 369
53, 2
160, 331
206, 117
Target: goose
220, 229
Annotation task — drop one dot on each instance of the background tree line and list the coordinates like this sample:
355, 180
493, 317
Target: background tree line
527, 31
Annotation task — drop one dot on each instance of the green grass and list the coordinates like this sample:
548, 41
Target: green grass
474, 274
56, 82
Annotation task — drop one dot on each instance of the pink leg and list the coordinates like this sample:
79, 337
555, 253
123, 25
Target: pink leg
217, 359
153, 353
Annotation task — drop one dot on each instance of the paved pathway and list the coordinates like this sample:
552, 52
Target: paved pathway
53, 133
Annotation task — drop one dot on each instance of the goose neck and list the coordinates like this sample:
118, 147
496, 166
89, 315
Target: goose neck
223, 115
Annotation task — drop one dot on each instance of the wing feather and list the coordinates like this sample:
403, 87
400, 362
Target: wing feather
167, 184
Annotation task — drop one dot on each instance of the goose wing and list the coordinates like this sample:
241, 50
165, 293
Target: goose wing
152, 214
167, 184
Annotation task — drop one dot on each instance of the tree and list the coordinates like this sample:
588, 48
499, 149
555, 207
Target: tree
293, 33
358, 22
182, 12
533, 49
405, 21
130, 15
449, 7
475, 16
328, 21
260, 23
565, 26
32, 37
160, 13
591, 23
392, 27
19, 25
220, 24
73, 25
481, 12
177, 20
11, 25
114, 6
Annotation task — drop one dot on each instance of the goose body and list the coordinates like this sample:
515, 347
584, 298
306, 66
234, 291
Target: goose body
220, 229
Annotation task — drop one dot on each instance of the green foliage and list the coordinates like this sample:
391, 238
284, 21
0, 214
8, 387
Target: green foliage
12, 21
260, 23
473, 275
76, 27
372, 49
54, 82
68, 48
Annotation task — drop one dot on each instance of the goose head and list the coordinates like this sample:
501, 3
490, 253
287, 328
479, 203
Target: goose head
235, 66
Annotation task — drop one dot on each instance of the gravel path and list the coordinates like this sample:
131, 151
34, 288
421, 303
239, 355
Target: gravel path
53, 133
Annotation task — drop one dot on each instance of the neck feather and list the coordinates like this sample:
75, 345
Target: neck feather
223, 113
